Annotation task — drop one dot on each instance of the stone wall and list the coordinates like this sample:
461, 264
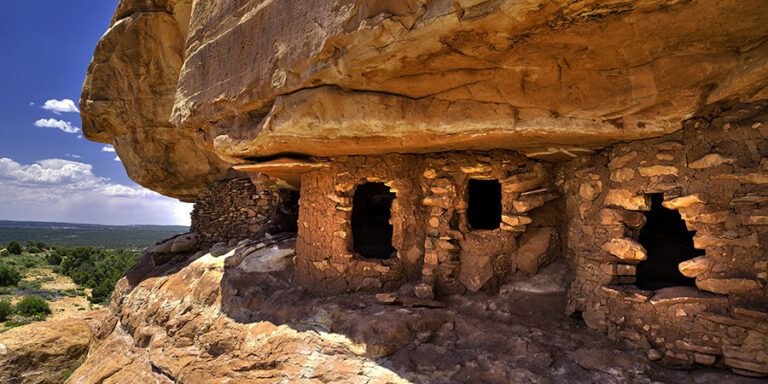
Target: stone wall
435, 247
715, 174
234, 209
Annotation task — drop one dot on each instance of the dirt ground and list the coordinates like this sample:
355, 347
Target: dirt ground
64, 296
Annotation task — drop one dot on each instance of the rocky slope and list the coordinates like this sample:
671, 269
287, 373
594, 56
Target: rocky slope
246, 79
235, 315
47, 352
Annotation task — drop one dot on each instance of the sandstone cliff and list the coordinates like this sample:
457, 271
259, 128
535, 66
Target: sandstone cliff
177, 87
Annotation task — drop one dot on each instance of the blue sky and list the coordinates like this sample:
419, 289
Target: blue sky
48, 172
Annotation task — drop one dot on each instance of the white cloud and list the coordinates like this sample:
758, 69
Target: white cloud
117, 158
65, 126
108, 148
31, 103
60, 106
69, 191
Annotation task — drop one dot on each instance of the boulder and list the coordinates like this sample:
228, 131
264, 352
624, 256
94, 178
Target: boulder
43, 352
534, 244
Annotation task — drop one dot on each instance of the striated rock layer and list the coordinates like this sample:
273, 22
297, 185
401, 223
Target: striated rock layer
553, 79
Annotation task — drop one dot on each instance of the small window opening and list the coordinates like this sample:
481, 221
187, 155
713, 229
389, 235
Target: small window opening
484, 210
371, 227
667, 242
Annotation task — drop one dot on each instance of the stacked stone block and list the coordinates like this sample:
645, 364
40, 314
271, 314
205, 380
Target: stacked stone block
437, 251
714, 174
233, 209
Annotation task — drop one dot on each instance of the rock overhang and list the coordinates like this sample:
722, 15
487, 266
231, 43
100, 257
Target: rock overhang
552, 80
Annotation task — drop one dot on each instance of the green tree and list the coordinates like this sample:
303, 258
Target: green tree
6, 310
9, 276
97, 269
14, 248
33, 306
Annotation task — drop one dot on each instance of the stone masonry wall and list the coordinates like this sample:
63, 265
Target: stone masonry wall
233, 209
715, 173
436, 249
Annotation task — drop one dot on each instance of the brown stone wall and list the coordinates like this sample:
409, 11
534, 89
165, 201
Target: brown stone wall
325, 260
233, 209
715, 173
435, 246
458, 258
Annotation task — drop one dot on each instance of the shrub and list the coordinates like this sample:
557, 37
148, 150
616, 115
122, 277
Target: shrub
6, 310
14, 248
97, 269
54, 258
33, 306
9, 276
30, 285
4, 253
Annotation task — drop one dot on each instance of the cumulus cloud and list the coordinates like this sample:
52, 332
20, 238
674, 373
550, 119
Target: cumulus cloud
60, 106
65, 126
69, 191
117, 158
108, 148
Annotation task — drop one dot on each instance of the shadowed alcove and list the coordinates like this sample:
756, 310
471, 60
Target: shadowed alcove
484, 210
371, 227
668, 243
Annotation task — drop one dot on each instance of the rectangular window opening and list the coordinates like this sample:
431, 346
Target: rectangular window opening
484, 210
371, 228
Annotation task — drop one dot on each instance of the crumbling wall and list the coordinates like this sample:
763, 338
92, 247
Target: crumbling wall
234, 209
459, 258
436, 249
715, 173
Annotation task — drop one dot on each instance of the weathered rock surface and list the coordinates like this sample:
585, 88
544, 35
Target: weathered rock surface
550, 78
43, 352
129, 93
218, 320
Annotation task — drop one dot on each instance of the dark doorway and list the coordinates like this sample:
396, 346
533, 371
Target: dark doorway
668, 243
285, 218
371, 228
484, 211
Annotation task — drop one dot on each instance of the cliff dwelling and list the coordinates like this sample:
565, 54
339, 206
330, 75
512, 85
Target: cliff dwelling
465, 175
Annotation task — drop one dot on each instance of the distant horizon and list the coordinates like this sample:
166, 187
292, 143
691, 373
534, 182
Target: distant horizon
91, 224
48, 171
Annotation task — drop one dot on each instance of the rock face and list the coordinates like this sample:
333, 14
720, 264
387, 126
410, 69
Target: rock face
219, 320
553, 79
44, 352
129, 93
